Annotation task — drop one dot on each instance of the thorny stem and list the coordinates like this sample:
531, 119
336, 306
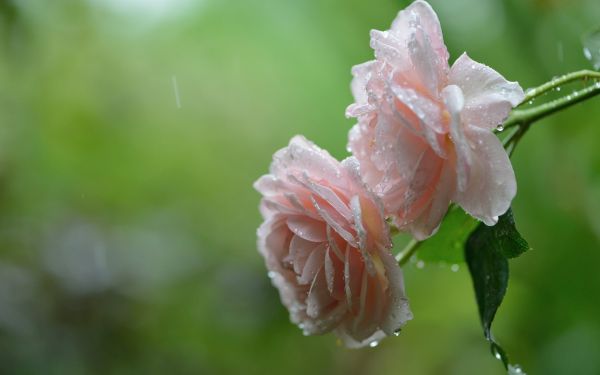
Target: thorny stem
522, 120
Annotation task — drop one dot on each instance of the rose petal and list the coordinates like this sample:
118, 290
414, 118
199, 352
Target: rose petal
313, 264
397, 311
429, 21
489, 97
307, 228
361, 74
427, 223
302, 155
454, 99
418, 26
299, 251
492, 184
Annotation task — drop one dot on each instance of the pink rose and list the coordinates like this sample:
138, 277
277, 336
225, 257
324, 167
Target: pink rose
424, 134
326, 245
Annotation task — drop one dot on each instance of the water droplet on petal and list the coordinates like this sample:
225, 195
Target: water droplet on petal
373, 344
272, 274
500, 128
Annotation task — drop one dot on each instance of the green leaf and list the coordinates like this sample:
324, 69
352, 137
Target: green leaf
487, 252
448, 243
506, 238
489, 272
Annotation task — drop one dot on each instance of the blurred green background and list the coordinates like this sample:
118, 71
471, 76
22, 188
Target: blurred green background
130, 135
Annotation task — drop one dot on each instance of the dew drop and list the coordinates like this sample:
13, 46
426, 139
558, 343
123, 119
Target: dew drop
500, 128
454, 268
591, 47
530, 102
271, 274
397, 332
558, 89
515, 369
420, 264
373, 344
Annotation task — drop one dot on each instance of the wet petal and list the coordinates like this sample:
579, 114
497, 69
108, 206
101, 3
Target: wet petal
428, 20
302, 155
455, 102
309, 229
489, 97
397, 311
313, 264
427, 223
300, 250
362, 74
492, 184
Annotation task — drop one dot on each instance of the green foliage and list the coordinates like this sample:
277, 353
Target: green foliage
487, 252
448, 243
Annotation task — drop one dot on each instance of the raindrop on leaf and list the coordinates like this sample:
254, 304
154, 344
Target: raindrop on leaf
515, 369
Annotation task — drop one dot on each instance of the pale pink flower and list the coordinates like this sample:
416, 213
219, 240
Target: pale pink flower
425, 131
326, 245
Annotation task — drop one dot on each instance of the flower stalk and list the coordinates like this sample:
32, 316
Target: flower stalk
559, 81
408, 252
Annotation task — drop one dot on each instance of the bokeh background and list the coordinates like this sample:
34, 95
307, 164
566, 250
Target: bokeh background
131, 132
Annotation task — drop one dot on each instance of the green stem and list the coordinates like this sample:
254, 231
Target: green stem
559, 81
529, 115
407, 252
523, 118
